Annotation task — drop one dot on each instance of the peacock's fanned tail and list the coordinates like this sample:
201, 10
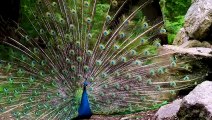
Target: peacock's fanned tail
77, 41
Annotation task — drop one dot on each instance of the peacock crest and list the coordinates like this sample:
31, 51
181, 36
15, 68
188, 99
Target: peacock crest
82, 58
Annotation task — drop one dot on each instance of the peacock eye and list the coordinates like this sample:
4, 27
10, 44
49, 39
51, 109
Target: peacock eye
142, 98
145, 25
88, 20
106, 32
52, 32
143, 41
186, 77
98, 62
123, 59
89, 35
149, 82
122, 35
152, 72
137, 62
39, 2
113, 62
41, 31
54, 4
138, 77
86, 68
86, 3
116, 47
48, 14
114, 3
89, 52
108, 18
27, 38
79, 59
62, 20
71, 26
78, 44
172, 83
133, 52
162, 31
73, 68
68, 60
91, 79
101, 46
71, 52
73, 11
146, 52
157, 44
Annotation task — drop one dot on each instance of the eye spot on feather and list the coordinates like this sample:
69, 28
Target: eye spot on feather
27, 38
113, 62
54, 4
88, 20
39, 2
72, 52
123, 59
114, 3
122, 35
108, 18
142, 98
79, 59
133, 52
186, 78
172, 84
89, 52
98, 62
102, 47
106, 32
41, 31
149, 82
86, 4
68, 60
143, 41
116, 47
71, 26
73, 11
86, 68
162, 31
52, 32
61, 20
48, 14
145, 25
89, 36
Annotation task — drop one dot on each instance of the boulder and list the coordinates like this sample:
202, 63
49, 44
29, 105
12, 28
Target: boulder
181, 37
197, 105
168, 112
198, 23
198, 19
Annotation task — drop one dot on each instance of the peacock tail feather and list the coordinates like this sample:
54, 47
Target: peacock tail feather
73, 44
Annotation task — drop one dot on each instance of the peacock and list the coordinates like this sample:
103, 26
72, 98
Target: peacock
84, 58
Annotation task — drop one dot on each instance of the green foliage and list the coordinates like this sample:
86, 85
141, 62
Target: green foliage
174, 12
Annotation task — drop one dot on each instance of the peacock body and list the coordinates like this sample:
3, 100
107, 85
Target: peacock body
79, 61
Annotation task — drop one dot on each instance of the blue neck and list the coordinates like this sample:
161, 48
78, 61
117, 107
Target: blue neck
84, 109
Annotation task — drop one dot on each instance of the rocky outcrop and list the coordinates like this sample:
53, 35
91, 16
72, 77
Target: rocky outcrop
168, 111
198, 23
197, 105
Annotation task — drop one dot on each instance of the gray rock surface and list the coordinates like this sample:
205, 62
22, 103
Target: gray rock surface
181, 37
198, 19
198, 22
197, 105
168, 112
